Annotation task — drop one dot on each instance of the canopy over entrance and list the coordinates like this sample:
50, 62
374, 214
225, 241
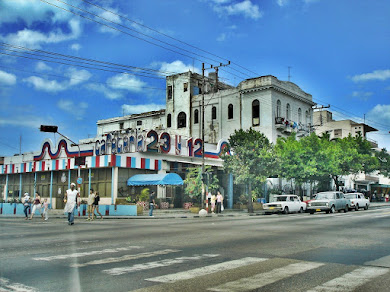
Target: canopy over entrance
155, 179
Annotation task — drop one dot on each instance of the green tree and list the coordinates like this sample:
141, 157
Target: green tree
193, 182
252, 159
383, 162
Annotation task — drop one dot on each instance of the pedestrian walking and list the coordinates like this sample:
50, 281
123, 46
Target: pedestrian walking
26, 204
208, 202
219, 202
96, 206
91, 201
46, 209
152, 203
213, 200
71, 196
37, 206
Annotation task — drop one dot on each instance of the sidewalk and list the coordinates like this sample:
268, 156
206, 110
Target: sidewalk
182, 213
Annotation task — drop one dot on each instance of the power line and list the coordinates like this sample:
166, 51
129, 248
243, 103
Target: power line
166, 35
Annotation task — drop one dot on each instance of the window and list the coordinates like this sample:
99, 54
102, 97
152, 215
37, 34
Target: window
185, 87
139, 123
169, 121
278, 109
230, 111
255, 113
299, 115
170, 91
196, 116
214, 113
121, 125
288, 112
181, 120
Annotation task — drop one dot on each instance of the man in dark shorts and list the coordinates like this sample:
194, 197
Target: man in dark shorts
151, 203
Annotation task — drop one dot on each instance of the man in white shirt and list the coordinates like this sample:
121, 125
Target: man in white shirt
71, 196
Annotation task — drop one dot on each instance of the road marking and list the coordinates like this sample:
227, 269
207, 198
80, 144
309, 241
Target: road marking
171, 278
350, 281
263, 279
157, 264
125, 258
381, 262
84, 254
5, 285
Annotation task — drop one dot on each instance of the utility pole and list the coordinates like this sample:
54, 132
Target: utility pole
216, 73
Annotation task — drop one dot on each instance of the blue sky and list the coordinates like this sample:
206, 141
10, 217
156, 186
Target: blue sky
338, 51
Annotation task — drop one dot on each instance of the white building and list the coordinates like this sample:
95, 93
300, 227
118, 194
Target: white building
273, 107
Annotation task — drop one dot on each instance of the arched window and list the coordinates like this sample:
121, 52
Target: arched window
230, 111
278, 109
169, 121
196, 116
181, 120
299, 115
214, 113
288, 112
255, 113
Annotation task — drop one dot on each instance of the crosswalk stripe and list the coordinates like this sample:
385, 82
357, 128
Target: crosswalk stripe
6, 285
263, 279
125, 258
171, 278
381, 262
156, 264
84, 254
350, 281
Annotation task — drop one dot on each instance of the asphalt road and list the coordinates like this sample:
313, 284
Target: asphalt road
296, 252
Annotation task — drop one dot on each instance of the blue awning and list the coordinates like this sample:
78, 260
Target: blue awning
155, 179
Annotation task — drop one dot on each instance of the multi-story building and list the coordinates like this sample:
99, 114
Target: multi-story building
273, 107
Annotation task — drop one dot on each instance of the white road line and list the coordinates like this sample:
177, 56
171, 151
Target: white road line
6, 286
207, 270
84, 254
157, 264
381, 262
350, 281
263, 279
125, 258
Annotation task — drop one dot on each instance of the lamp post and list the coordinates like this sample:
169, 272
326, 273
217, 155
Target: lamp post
54, 129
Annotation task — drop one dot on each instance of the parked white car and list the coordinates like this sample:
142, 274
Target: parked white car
358, 201
285, 204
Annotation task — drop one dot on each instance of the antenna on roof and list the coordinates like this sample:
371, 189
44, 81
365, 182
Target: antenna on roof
289, 76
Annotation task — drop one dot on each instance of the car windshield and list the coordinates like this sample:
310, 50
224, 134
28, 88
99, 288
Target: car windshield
326, 196
281, 199
350, 196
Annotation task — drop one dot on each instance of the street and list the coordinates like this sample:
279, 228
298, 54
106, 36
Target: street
295, 252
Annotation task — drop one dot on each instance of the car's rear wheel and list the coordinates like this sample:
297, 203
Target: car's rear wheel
332, 209
357, 207
285, 211
301, 210
366, 207
346, 209
311, 212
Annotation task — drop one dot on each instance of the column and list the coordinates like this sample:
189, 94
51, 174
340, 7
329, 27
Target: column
89, 179
51, 188
20, 186
6, 188
230, 191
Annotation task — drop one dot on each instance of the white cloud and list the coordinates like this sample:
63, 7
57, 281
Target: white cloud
126, 82
221, 37
42, 66
245, 8
7, 78
77, 76
75, 47
175, 67
109, 93
282, 3
69, 106
141, 108
380, 113
34, 39
381, 75
362, 95
310, 1
24, 120
51, 86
